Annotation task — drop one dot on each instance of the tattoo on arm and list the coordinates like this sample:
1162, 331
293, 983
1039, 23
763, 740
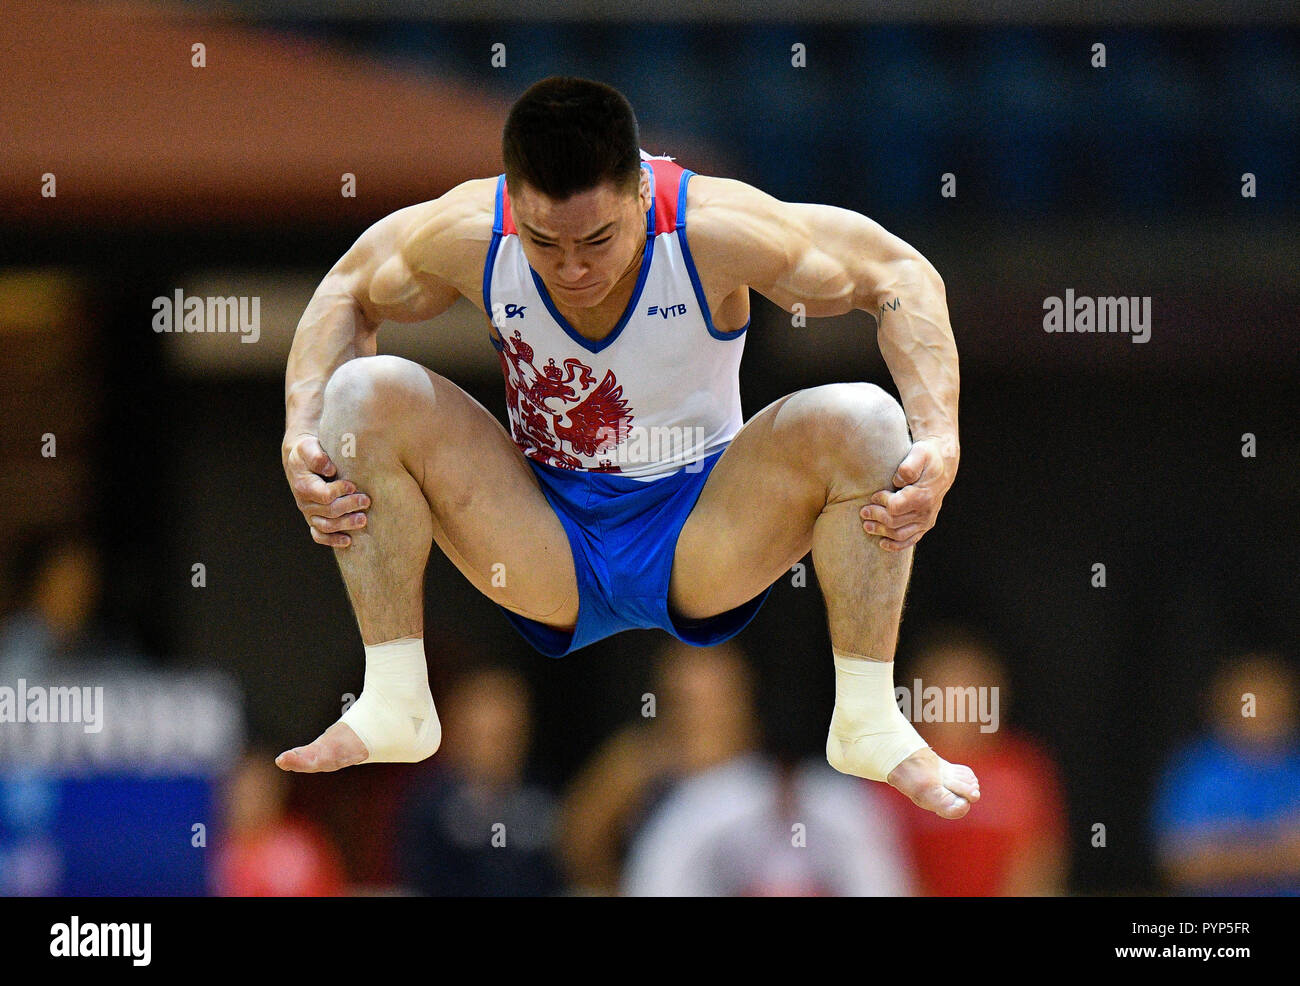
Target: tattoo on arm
891, 305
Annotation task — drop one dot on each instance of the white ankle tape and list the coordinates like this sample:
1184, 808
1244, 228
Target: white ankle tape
869, 735
395, 716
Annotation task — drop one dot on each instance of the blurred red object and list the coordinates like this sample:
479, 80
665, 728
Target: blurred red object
288, 859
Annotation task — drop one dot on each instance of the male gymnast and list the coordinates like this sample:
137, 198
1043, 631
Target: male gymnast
630, 492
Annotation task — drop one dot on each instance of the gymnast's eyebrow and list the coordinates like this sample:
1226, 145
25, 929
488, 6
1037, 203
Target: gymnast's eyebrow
582, 239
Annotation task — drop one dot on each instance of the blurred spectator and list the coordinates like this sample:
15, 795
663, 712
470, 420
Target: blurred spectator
57, 579
264, 851
1013, 843
1227, 811
701, 812
703, 717
470, 825
754, 828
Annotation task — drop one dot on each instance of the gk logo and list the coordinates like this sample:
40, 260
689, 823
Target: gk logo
513, 310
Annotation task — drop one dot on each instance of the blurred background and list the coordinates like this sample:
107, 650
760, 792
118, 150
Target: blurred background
1147, 738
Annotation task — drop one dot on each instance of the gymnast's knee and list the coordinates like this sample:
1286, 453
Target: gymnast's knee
856, 433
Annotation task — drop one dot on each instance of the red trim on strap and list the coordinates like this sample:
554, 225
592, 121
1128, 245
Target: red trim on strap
507, 218
668, 176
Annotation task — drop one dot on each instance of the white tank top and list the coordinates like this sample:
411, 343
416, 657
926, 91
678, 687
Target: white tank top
659, 393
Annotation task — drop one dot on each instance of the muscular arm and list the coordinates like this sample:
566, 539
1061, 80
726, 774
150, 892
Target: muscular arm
409, 266
832, 261
376, 280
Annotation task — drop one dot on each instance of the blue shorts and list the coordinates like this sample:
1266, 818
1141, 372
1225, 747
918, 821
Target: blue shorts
623, 533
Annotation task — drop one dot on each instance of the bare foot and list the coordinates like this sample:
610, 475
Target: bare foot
336, 748
947, 789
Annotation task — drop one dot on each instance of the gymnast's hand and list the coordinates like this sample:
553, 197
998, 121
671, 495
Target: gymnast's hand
331, 508
902, 514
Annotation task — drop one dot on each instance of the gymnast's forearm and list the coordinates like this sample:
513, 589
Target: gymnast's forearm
333, 330
915, 338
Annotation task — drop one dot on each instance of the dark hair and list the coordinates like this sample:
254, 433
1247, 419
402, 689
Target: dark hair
567, 135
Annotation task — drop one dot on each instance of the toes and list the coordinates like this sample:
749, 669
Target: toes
334, 749
301, 759
949, 792
953, 806
961, 780
944, 801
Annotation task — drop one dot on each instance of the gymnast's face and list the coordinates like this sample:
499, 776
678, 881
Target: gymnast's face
585, 246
